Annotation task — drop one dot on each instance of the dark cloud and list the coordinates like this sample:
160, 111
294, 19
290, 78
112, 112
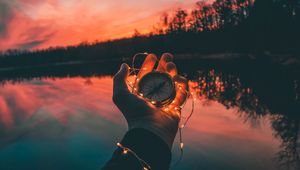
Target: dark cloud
32, 40
5, 17
35, 33
31, 44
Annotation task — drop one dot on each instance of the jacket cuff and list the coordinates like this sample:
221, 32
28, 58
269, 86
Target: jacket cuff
149, 147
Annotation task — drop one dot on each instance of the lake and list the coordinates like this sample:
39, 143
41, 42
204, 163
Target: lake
64, 118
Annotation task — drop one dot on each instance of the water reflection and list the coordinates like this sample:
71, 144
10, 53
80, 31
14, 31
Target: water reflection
233, 121
229, 91
288, 130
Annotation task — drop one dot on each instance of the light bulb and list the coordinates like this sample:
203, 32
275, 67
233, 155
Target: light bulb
125, 151
181, 145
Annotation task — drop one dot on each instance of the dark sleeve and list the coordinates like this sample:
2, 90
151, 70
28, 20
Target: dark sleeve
149, 147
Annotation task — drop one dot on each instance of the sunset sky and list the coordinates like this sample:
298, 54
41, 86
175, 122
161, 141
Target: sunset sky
36, 24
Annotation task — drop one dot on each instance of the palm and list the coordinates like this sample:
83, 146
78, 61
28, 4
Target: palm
141, 113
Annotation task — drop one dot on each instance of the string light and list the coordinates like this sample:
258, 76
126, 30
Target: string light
126, 151
134, 89
181, 145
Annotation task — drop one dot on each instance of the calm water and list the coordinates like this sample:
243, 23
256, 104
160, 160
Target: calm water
71, 123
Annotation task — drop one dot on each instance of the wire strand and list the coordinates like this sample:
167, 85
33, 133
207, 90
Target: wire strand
180, 127
143, 163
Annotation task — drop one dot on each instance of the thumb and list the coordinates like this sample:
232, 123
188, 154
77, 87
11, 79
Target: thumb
120, 79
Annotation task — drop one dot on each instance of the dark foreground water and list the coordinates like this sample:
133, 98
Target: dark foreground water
63, 122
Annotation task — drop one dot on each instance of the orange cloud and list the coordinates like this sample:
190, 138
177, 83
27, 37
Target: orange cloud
35, 24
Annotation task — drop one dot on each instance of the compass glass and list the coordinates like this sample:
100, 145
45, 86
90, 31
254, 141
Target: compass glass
158, 87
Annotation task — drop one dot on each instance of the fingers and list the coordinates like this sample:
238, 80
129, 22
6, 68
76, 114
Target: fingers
119, 81
181, 90
165, 58
147, 66
122, 97
171, 69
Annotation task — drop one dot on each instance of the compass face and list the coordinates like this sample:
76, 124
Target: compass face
158, 87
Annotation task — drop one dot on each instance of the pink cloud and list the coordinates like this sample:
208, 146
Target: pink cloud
37, 24
6, 117
23, 32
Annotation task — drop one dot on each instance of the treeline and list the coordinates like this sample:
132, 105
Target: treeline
239, 25
206, 18
224, 26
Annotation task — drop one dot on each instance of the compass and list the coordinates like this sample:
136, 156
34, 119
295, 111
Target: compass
157, 87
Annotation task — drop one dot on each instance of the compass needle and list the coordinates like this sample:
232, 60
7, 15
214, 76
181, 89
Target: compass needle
157, 86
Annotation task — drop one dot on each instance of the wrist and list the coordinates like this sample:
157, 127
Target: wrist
165, 134
147, 145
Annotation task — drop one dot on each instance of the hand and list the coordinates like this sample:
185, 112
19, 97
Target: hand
141, 114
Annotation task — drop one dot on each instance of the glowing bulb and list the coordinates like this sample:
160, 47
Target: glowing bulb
176, 108
166, 109
182, 126
181, 145
118, 144
125, 151
134, 89
141, 94
153, 102
145, 168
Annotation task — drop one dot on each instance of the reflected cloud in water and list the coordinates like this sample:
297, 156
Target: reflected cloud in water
232, 128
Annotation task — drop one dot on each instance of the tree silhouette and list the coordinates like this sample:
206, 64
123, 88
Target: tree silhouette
204, 18
288, 130
136, 33
224, 26
178, 23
